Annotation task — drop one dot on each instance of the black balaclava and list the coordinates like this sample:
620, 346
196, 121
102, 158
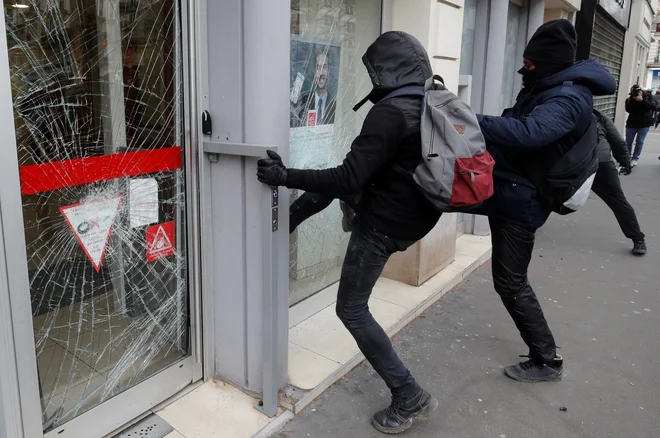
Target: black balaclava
551, 49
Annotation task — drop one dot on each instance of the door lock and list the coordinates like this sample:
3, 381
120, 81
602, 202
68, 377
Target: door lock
207, 125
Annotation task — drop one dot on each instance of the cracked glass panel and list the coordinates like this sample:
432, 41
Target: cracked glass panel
328, 39
97, 100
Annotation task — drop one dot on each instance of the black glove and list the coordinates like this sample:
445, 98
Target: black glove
271, 170
625, 170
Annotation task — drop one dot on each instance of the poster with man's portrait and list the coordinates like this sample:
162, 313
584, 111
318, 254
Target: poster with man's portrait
313, 101
314, 82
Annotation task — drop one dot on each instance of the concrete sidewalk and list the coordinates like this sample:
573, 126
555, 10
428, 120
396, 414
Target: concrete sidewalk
603, 305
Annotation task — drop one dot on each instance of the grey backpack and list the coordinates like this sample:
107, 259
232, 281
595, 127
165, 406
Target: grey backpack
456, 171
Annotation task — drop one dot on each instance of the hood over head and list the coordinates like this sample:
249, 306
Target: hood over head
590, 74
396, 59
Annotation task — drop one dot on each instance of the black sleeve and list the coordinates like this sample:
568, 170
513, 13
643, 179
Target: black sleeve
381, 134
648, 103
616, 141
628, 106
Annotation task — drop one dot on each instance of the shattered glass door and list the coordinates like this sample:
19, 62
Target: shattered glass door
96, 90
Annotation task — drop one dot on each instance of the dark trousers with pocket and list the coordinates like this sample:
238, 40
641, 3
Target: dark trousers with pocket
608, 188
368, 252
513, 245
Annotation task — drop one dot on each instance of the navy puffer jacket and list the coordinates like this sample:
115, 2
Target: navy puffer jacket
549, 117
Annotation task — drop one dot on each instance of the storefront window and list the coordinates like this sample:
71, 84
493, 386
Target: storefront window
97, 106
467, 42
511, 61
328, 39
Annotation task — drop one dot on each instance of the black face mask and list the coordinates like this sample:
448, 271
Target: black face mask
541, 71
528, 75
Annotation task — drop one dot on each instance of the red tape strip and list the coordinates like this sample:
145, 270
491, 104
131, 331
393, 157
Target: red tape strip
39, 178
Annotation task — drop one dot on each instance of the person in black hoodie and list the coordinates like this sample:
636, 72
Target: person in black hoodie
392, 212
551, 114
640, 109
607, 185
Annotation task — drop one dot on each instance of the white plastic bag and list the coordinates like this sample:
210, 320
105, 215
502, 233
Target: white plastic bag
581, 195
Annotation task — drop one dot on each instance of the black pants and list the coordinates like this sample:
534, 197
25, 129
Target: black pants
608, 188
306, 206
512, 251
368, 251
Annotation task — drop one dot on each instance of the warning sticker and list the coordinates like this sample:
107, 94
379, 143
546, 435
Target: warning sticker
311, 118
91, 223
160, 241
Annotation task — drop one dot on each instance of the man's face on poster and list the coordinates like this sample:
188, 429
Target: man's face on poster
322, 71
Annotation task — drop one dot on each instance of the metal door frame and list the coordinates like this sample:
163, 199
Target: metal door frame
20, 404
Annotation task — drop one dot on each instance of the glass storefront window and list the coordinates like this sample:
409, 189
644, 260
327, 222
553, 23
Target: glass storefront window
328, 39
97, 105
511, 61
467, 42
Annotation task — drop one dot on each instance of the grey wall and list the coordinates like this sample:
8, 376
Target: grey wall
246, 93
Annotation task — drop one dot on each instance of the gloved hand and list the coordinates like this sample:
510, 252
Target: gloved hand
271, 170
625, 170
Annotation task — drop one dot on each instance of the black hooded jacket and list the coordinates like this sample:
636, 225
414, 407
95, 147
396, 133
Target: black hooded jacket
390, 201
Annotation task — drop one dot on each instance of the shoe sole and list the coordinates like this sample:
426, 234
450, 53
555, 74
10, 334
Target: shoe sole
556, 378
639, 254
431, 406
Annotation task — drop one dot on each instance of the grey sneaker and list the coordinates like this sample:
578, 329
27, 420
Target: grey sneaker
640, 248
400, 415
532, 372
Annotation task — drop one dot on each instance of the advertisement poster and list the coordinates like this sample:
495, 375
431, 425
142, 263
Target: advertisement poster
314, 81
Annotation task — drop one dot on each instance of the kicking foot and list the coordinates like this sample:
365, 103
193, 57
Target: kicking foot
531, 372
640, 248
633, 163
401, 414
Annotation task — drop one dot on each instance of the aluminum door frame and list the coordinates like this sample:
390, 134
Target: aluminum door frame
20, 404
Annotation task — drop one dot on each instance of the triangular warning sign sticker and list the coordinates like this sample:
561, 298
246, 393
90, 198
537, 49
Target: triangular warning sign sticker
91, 223
160, 241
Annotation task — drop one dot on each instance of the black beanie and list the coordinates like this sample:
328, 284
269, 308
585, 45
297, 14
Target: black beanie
555, 42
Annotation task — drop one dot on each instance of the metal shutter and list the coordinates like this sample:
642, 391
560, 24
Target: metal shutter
607, 48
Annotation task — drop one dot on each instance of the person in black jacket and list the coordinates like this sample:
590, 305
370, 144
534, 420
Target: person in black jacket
392, 212
551, 114
640, 109
607, 185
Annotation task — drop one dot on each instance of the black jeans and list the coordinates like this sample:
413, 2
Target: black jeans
608, 188
512, 251
367, 253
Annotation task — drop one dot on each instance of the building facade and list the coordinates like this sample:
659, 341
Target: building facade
138, 252
653, 61
635, 55
602, 27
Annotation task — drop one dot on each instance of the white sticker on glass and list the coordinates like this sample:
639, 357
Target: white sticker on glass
91, 223
143, 201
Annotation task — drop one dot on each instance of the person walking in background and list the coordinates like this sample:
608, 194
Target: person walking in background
640, 107
656, 106
607, 185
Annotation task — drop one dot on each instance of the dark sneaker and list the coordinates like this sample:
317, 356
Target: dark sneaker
640, 248
401, 414
531, 372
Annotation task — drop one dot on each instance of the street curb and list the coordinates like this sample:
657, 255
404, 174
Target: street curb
275, 426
